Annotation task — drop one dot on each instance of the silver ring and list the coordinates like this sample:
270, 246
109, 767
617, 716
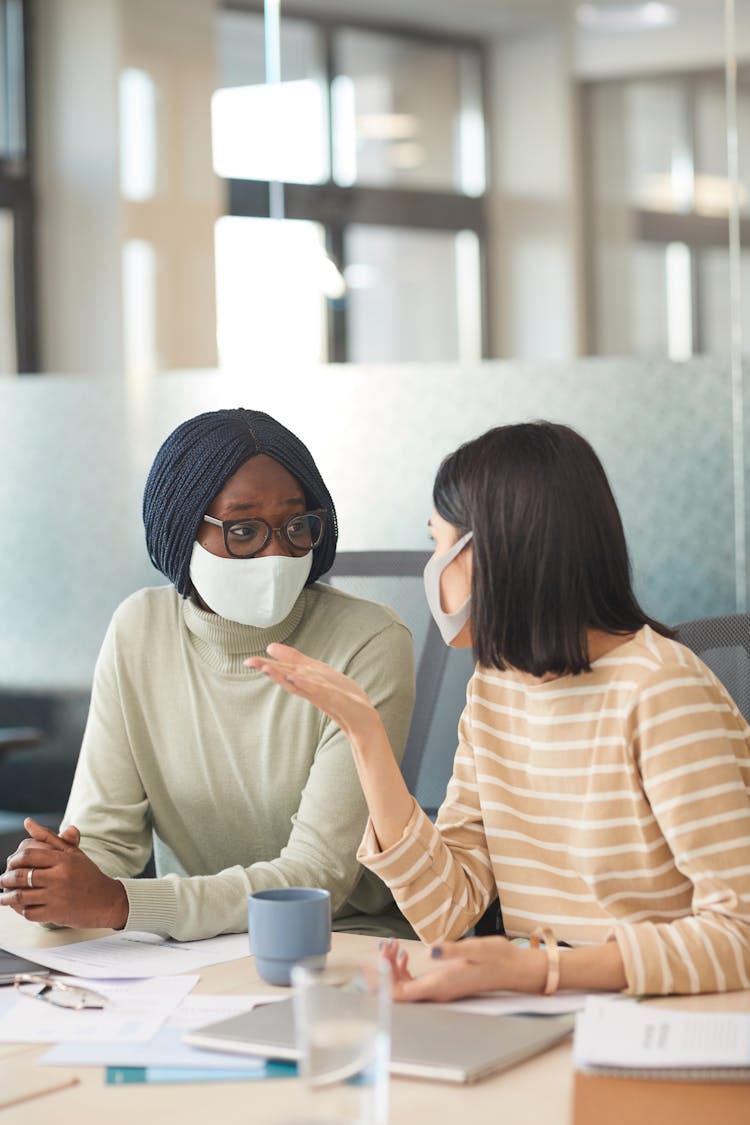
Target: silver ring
30, 877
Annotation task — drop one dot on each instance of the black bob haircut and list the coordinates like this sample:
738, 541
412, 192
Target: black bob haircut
194, 464
549, 554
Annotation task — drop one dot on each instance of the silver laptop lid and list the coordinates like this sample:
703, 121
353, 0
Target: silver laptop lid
428, 1040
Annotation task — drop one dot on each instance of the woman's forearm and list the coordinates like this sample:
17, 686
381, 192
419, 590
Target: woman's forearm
387, 796
589, 968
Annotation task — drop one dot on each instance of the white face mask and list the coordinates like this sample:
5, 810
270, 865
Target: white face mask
449, 624
259, 592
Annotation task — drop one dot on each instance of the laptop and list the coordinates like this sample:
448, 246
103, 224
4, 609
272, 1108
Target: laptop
11, 964
427, 1041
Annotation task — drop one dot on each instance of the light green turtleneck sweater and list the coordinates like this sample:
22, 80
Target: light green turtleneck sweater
244, 786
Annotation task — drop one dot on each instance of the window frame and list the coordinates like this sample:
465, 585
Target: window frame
334, 206
17, 196
656, 228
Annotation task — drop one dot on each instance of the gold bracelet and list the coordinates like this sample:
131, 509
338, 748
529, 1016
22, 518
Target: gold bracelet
545, 934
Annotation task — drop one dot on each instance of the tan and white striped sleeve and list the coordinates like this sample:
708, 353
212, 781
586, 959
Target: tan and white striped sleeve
691, 746
440, 874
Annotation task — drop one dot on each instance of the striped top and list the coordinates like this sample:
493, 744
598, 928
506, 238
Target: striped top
611, 803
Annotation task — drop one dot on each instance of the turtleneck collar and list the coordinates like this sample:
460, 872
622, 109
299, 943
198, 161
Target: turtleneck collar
223, 645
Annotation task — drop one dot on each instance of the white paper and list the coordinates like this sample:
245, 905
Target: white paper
625, 1033
167, 1048
135, 1013
518, 1003
133, 955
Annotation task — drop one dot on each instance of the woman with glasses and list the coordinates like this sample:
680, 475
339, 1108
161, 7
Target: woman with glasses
239, 789
601, 785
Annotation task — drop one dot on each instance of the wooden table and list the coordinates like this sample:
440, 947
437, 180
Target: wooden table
539, 1090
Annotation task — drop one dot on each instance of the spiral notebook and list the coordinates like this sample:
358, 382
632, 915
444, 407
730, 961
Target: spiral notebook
427, 1041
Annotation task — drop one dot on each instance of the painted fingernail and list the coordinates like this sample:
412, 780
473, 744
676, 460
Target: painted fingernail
436, 952
390, 943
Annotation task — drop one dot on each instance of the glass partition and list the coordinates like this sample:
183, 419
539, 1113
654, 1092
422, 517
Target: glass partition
663, 432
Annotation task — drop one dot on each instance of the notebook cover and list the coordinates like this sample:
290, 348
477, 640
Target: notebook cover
620, 1100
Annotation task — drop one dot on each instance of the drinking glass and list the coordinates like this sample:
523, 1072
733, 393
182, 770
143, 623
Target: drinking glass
343, 1032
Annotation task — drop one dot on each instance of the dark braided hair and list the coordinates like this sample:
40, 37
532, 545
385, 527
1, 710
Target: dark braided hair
194, 464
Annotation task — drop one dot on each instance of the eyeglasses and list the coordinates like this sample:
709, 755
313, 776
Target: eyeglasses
57, 992
245, 538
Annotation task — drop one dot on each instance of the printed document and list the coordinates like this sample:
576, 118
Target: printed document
134, 955
625, 1033
166, 1049
521, 1003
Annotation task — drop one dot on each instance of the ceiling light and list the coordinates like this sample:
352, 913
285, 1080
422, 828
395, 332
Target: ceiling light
625, 17
388, 126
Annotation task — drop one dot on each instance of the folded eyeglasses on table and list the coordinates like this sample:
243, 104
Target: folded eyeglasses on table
58, 992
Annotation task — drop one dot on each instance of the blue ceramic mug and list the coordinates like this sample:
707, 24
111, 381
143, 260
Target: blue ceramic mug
287, 925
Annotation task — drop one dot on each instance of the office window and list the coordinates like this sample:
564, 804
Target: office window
711, 147
272, 279
17, 320
657, 226
275, 131
8, 358
713, 279
413, 294
372, 142
407, 113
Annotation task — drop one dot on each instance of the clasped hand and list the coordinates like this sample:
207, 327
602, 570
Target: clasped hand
49, 879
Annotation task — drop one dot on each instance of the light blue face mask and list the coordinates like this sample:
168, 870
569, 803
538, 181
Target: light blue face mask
449, 624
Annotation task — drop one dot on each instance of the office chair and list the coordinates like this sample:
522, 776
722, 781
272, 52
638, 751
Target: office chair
40, 735
394, 578
723, 644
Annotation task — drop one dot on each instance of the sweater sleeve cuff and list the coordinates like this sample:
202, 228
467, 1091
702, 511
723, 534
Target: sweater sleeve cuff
641, 982
152, 905
416, 841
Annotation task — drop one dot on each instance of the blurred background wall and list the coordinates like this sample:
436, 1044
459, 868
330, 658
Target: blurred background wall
431, 215
521, 179
396, 224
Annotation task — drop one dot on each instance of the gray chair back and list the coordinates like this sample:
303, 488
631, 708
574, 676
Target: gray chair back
723, 644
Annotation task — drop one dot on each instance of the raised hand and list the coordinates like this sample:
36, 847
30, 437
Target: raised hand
337, 695
49, 879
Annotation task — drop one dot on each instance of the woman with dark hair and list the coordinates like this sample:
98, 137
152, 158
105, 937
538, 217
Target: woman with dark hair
236, 788
601, 785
